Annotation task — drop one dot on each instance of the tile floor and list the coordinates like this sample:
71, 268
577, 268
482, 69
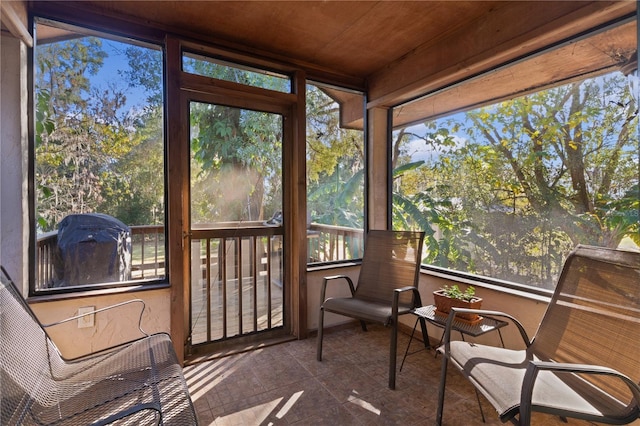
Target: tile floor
284, 384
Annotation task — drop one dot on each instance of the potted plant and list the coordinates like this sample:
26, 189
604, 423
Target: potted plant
451, 296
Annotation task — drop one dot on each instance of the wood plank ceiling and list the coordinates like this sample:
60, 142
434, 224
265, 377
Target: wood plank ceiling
402, 50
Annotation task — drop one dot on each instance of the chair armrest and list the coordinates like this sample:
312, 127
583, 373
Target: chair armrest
323, 289
396, 298
417, 301
446, 337
535, 367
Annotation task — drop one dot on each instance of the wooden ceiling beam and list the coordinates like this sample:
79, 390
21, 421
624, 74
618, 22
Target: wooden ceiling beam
14, 17
503, 34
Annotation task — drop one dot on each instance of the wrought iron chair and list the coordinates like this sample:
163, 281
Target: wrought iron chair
584, 359
387, 287
136, 383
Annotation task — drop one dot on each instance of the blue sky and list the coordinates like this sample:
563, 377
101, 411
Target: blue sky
111, 72
419, 150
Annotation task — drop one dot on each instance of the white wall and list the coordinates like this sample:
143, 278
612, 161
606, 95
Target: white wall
14, 225
110, 327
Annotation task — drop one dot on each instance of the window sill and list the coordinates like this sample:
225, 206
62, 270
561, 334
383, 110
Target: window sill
533, 293
49, 297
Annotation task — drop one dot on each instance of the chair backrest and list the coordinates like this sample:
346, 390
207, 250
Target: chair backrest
594, 317
391, 260
25, 369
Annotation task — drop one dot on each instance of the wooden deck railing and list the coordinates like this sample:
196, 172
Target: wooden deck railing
45, 252
236, 281
147, 248
326, 243
147, 255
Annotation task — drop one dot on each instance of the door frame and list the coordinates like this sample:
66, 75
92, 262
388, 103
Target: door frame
182, 88
234, 235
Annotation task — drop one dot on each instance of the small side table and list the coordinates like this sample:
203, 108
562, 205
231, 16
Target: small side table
428, 313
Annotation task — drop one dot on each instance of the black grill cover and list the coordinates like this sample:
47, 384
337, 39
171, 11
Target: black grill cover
92, 248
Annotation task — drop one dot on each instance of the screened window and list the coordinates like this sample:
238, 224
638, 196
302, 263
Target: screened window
508, 189
99, 160
335, 174
236, 73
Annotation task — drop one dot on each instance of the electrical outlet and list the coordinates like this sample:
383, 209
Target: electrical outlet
88, 320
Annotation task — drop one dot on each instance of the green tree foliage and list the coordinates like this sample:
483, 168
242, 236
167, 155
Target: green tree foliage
236, 153
236, 163
134, 190
90, 148
66, 169
335, 164
525, 180
145, 70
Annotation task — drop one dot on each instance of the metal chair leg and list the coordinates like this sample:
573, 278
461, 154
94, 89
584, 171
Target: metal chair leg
393, 345
480, 406
406, 352
441, 388
425, 339
320, 332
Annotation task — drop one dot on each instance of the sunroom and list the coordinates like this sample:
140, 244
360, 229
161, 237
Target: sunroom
232, 154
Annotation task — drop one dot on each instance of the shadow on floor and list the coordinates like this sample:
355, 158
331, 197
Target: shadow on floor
284, 384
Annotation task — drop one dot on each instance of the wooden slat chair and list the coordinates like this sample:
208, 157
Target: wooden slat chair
387, 287
584, 361
136, 383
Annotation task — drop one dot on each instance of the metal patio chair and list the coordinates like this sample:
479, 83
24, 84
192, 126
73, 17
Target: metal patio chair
136, 383
584, 361
387, 287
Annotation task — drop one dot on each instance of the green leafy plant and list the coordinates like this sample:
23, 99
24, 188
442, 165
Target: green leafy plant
454, 292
